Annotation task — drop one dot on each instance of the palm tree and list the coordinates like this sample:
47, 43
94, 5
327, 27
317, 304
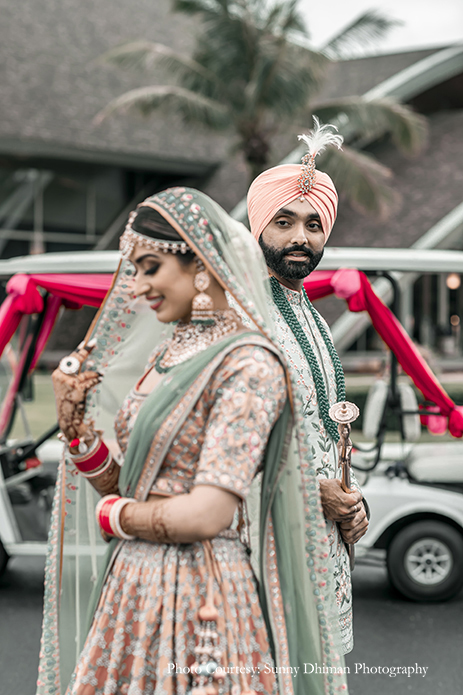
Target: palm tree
254, 74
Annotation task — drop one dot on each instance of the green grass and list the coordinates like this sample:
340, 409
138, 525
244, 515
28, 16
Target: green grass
41, 412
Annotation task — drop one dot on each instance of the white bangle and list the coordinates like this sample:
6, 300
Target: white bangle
115, 518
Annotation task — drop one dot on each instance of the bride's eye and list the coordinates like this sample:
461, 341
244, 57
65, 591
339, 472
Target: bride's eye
152, 269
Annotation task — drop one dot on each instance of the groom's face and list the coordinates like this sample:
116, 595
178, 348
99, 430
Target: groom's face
293, 241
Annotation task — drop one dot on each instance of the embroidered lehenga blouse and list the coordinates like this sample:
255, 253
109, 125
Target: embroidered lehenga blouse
142, 638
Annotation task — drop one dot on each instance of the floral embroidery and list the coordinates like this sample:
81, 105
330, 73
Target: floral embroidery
314, 435
231, 422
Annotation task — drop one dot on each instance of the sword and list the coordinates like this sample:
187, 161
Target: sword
345, 413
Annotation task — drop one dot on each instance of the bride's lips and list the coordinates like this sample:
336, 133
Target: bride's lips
156, 302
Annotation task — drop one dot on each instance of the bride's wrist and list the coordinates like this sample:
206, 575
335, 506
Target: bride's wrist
93, 459
108, 515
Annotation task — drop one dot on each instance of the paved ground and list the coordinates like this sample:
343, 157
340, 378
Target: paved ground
392, 632
21, 593
388, 632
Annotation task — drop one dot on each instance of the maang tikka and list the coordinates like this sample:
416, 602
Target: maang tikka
202, 307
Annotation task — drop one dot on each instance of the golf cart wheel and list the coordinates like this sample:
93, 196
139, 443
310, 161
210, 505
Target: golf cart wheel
425, 561
4, 557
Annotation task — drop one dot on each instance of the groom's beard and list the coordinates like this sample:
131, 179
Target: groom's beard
290, 270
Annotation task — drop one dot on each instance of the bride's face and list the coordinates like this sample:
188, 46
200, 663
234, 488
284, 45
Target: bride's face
165, 281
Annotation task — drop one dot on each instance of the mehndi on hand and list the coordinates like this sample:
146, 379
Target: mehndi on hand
70, 394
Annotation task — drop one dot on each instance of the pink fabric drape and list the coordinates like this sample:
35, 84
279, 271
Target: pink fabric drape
24, 297
355, 287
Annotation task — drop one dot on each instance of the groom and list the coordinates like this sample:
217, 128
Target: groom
292, 222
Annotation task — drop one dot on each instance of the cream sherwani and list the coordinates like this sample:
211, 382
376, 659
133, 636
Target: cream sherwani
319, 442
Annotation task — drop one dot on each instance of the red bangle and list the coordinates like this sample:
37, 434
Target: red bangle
95, 462
103, 509
108, 511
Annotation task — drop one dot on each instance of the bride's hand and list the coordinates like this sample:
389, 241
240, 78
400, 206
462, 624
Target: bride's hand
70, 393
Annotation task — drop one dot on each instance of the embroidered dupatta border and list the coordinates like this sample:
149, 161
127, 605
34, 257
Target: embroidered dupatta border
275, 600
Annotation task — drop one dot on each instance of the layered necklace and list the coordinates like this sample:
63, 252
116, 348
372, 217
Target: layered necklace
188, 339
290, 317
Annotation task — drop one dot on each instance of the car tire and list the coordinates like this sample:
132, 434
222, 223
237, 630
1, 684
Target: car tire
425, 561
4, 557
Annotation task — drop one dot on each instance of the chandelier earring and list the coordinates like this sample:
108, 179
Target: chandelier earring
202, 307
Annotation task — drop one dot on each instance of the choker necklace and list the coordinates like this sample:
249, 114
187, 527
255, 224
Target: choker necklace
291, 319
189, 339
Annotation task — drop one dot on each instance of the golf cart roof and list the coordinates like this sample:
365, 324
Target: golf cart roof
68, 262
404, 260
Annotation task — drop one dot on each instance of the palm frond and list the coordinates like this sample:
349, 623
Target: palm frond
197, 6
285, 79
372, 119
211, 9
193, 108
365, 30
281, 18
362, 180
145, 55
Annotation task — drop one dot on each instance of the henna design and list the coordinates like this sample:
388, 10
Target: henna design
70, 395
108, 482
147, 520
159, 525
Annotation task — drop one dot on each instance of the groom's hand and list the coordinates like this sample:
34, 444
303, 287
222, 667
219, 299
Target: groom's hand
338, 505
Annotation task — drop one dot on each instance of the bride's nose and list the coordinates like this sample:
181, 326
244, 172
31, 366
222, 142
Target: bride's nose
141, 288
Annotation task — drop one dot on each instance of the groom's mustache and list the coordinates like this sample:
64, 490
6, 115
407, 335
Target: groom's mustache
300, 249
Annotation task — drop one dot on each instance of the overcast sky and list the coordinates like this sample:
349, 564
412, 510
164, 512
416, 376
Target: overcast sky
425, 22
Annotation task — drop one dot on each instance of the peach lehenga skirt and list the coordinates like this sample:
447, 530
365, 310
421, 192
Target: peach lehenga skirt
142, 638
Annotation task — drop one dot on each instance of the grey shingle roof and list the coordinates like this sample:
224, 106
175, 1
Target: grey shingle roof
431, 185
51, 86
357, 76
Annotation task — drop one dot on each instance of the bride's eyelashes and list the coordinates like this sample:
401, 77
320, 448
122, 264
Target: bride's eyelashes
152, 270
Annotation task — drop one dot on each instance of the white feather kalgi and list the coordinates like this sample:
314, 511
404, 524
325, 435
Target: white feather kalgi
320, 137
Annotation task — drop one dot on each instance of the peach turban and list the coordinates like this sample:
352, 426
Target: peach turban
277, 187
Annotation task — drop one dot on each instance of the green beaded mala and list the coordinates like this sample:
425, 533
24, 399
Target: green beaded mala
291, 319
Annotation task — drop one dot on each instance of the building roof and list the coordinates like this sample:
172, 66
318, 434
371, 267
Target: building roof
52, 85
357, 76
430, 186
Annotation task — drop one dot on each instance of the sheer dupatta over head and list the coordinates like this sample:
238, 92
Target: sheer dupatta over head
295, 590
